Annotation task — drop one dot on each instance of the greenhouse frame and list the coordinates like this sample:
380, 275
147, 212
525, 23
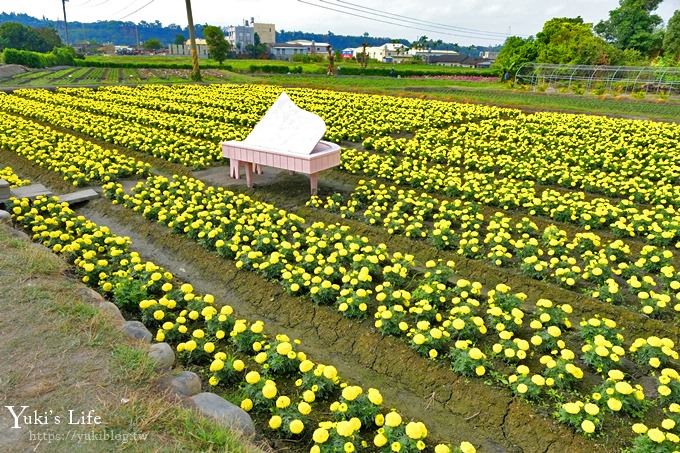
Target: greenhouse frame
620, 79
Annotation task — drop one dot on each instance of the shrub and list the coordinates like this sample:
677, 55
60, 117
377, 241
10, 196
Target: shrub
59, 56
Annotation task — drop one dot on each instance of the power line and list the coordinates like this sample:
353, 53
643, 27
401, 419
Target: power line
125, 7
99, 4
137, 10
424, 22
458, 35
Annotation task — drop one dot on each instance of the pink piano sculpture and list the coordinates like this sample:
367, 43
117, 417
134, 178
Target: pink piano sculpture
286, 137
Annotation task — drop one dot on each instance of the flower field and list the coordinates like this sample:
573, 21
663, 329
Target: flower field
528, 261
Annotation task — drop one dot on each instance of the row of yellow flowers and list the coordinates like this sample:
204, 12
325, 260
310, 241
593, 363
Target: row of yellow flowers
179, 123
636, 160
78, 161
276, 377
659, 225
348, 116
12, 178
607, 270
479, 336
166, 145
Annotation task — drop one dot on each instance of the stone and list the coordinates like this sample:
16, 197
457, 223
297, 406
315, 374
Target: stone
4, 190
162, 355
79, 196
223, 412
112, 311
136, 330
650, 387
92, 296
31, 191
5, 217
185, 383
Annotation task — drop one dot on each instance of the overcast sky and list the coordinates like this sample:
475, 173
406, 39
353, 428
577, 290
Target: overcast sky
523, 17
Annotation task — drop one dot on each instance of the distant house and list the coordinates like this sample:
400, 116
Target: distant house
387, 53
240, 36
266, 32
287, 50
348, 53
489, 55
459, 60
185, 49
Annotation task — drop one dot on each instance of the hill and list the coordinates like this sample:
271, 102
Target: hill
129, 33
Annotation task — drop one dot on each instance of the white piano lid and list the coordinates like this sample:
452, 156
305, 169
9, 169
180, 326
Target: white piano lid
288, 128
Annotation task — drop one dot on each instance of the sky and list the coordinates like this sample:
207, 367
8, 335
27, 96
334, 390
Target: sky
517, 17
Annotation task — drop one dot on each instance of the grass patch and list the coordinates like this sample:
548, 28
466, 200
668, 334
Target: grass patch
59, 353
132, 364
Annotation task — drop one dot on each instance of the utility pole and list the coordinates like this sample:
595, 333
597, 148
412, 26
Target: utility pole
63, 5
196, 70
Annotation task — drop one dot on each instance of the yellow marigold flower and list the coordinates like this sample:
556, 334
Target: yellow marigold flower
393, 419
656, 435
441, 448
616, 375
304, 408
591, 409
639, 428
571, 408
476, 354
320, 435
375, 397
467, 447
269, 391
614, 404
275, 422
247, 404
216, 365
282, 402
588, 426
344, 428
415, 430
330, 372
664, 390
253, 377
623, 388
296, 426
380, 440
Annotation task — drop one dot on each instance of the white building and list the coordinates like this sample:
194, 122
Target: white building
387, 53
240, 36
185, 49
287, 50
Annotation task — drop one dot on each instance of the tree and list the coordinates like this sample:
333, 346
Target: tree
16, 36
566, 40
218, 46
257, 50
562, 40
515, 52
152, 44
671, 40
179, 40
50, 36
633, 26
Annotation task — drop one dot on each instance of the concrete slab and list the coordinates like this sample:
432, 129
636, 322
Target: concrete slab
30, 191
80, 196
4, 189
